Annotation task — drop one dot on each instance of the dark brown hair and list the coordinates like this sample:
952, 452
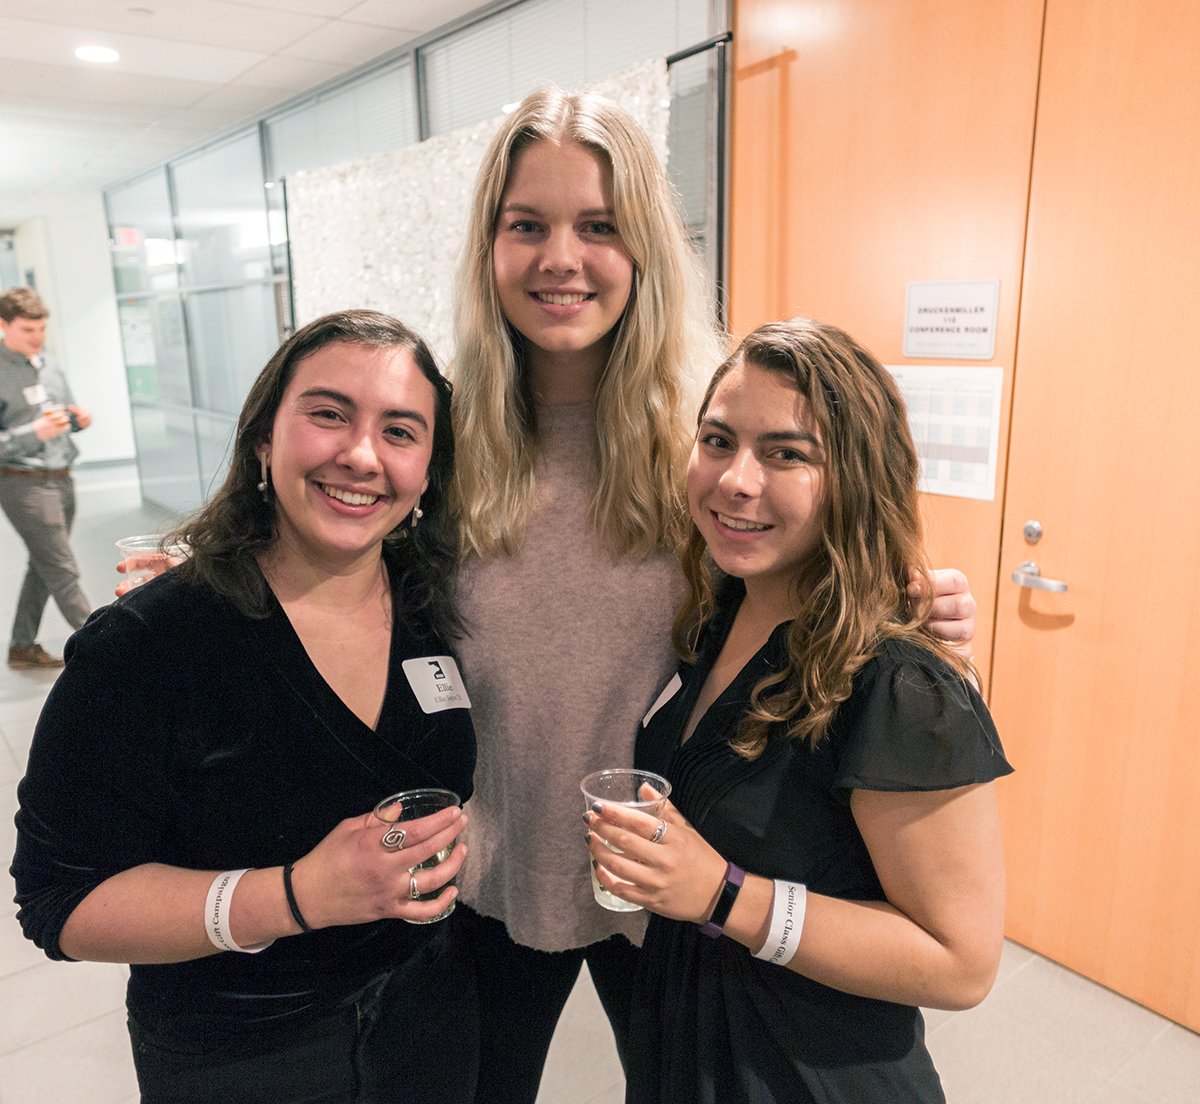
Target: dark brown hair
228, 532
852, 588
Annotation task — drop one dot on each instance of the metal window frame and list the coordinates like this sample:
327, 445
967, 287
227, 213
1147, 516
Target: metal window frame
720, 15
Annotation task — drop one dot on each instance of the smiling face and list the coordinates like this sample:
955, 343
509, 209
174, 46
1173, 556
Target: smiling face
563, 274
349, 450
25, 335
756, 481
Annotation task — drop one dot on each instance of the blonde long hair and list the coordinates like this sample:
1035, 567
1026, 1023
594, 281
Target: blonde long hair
853, 588
665, 343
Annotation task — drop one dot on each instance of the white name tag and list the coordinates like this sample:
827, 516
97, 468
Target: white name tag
436, 683
669, 691
35, 395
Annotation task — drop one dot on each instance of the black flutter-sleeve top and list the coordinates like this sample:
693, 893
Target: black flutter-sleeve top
711, 1022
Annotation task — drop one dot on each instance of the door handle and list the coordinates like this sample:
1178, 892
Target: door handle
1028, 574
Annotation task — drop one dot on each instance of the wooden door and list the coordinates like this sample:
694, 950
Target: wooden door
877, 142
1095, 690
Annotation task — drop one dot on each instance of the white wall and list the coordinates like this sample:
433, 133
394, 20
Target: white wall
69, 255
31, 243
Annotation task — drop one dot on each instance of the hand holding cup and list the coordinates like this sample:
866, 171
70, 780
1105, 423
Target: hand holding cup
641, 791
53, 423
396, 814
655, 860
143, 557
350, 877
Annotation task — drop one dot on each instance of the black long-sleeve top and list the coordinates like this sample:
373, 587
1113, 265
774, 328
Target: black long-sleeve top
184, 733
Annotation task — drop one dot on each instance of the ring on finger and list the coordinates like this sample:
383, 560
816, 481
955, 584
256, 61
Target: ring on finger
659, 832
393, 839
412, 885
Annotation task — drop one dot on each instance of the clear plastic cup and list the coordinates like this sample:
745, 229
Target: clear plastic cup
622, 786
412, 805
146, 556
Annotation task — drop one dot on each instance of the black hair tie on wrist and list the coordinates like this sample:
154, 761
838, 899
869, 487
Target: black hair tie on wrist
291, 898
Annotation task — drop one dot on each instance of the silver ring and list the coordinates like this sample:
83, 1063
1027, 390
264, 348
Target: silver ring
393, 839
659, 832
412, 885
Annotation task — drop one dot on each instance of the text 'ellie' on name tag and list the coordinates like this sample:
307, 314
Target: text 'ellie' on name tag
436, 683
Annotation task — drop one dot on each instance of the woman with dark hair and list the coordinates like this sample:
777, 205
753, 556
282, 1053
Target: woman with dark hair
830, 858
202, 777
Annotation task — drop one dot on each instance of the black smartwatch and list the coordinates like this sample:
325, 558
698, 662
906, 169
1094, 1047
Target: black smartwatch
715, 924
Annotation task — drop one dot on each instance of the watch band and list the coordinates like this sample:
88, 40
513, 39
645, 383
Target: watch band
715, 924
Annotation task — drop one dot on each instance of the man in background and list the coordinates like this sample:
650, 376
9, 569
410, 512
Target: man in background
37, 494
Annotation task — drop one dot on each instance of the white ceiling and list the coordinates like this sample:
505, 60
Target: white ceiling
188, 69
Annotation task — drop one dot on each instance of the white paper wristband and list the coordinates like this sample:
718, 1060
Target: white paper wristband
216, 914
787, 922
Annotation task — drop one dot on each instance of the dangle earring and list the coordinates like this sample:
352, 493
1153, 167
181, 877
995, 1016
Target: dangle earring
264, 484
417, 513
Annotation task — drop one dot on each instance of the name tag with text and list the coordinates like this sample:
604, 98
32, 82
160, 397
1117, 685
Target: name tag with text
436, 683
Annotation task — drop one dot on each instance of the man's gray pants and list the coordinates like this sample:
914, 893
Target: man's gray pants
42, 511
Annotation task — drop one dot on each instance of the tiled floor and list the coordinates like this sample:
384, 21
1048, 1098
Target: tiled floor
1043, 1036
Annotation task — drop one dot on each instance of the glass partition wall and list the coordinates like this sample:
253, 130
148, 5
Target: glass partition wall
200, 246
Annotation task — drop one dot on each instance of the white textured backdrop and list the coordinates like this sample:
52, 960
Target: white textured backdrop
385, 232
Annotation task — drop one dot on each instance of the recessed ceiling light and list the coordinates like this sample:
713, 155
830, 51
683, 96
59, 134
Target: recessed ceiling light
97, 53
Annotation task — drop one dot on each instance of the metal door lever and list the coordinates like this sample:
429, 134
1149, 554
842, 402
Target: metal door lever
1028, 574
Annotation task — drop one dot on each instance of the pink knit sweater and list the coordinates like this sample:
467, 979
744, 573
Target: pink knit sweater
568, 650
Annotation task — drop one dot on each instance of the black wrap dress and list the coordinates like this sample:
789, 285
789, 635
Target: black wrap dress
712, 1023
183, 732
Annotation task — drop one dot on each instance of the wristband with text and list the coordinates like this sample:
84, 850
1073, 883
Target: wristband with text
216, 914
787, 923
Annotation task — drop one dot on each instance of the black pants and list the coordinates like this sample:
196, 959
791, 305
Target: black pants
521, 996
410, 1038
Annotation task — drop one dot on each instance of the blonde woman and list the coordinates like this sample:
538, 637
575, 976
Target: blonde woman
583, 324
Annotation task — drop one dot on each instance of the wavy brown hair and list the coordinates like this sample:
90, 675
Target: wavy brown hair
664, 345
236, 524
851, 590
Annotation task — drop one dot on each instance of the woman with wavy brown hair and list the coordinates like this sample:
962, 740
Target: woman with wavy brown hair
830, 857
